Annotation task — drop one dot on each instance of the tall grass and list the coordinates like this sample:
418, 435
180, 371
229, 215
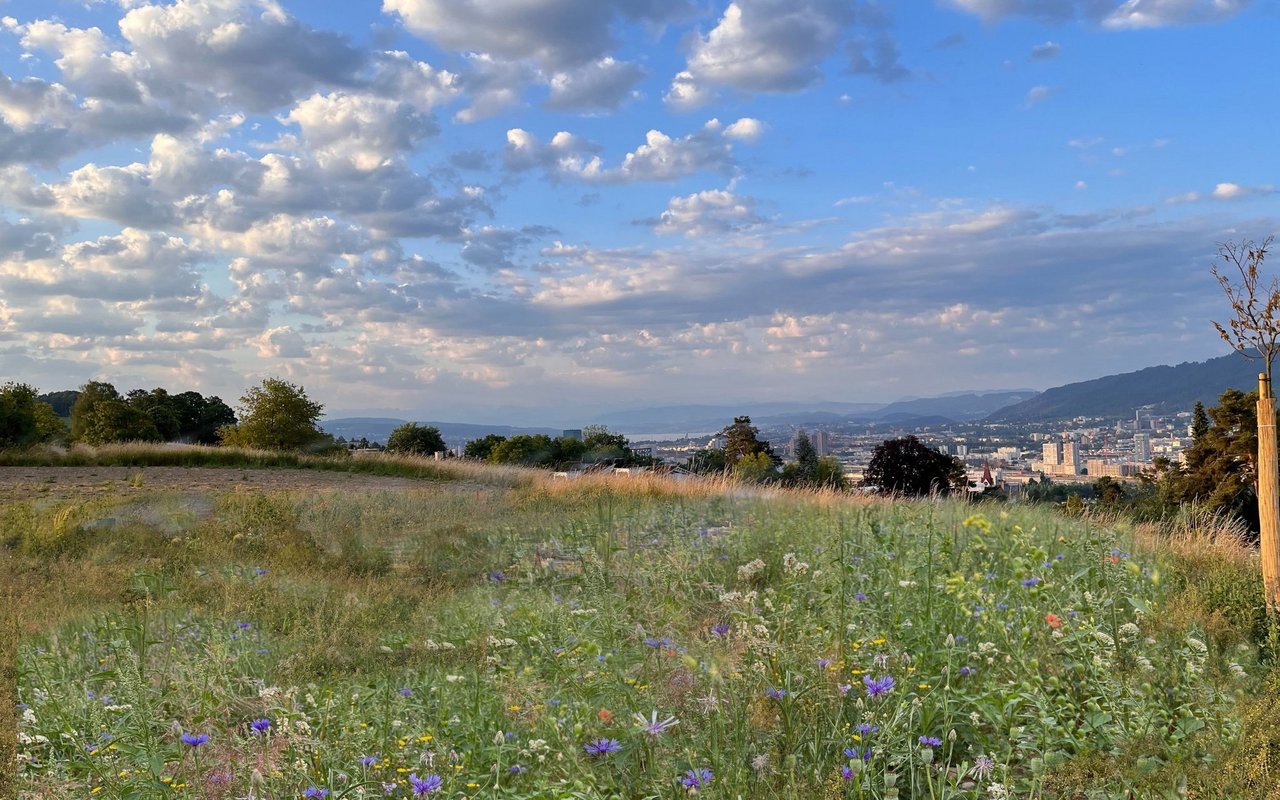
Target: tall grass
528, 617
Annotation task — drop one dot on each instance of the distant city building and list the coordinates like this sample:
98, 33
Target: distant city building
1052, 454
1142, 448
1071, 458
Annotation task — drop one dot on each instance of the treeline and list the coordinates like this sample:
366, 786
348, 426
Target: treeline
98, 414
598, 445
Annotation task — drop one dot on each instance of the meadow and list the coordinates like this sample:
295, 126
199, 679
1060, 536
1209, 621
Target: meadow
500, 634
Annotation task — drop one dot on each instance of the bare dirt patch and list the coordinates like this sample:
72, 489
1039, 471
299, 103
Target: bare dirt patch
26, 483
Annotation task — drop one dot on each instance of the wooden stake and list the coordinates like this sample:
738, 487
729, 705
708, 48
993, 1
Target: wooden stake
1268, 494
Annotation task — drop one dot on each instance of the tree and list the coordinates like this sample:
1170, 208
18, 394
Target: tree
18, 424
277, 415
1255, 326
909, 467
754, 468
111, 421
743, 439
414, 439
806, 471
523, 449
200, 417
1255, 332
91, 394
483, 448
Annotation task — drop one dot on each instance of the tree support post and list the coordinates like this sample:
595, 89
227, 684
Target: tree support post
1268, 496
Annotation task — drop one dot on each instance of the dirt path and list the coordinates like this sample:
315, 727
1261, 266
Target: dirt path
21, 483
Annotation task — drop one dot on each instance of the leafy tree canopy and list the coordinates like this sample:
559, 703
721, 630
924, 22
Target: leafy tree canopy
416, 439
276, 415
909, 467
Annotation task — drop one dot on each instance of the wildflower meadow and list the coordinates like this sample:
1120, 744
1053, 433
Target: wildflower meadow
620, 640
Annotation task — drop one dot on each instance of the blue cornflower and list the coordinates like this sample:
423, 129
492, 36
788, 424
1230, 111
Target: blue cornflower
427, 785
857, 753
877, 686
368, 761
696, 778
260, 725
194, 739
1032, 581
314, 792
601, 747
776, 694
720, 629
930, 741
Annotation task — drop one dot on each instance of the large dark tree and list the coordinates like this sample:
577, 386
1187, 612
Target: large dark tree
414, 439
743, 439
909, 467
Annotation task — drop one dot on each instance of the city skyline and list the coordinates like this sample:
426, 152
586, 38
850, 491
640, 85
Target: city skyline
495, 210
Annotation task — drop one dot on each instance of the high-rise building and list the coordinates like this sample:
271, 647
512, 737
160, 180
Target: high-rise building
1142, 447
1052, 454
1071, 458
821, 443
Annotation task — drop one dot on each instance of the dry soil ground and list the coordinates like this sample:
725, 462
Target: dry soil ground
24, 483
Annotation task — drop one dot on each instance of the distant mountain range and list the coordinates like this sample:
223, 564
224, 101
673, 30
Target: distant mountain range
1165, 389
377, 429
956, 407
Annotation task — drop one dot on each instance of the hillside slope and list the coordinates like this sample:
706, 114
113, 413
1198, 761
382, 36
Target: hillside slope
1165, 388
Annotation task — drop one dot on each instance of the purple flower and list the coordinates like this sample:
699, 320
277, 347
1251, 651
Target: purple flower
427, 785
655, 727
368, 761
930, 741
194, 739
314, 792
696, 778
1032, 581
601, 747
877, 686
776, 694
720, 630
260, 726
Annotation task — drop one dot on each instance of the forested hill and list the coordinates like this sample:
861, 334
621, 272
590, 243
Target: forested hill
1165, 388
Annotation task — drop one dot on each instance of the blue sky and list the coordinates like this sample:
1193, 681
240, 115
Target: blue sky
534, 210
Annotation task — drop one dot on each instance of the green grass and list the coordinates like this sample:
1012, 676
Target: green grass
463, 634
